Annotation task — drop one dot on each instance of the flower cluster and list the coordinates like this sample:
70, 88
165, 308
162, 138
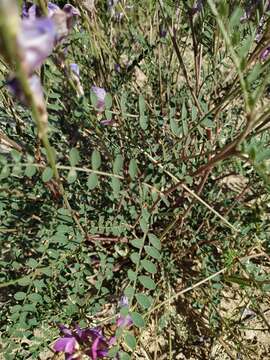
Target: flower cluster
78, 342
89, 341
36, 39
100, 94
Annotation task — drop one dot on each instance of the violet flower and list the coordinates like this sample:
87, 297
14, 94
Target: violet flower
52, 8
32, 11
75, 69
75, 76
117, 68
100, 344
124, 321
67, 345
89, 341
39, 35
25, 9
63, 19
100, 105
72, 14
265, 53
100, 94
107, 122
36, 42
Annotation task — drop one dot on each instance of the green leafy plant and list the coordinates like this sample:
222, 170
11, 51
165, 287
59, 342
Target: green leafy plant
148, 180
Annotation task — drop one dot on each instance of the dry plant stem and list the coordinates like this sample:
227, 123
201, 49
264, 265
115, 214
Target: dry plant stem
192, 193
199, 66
181, 61
195, 51
190, 288
227, 329
255, 283
234, 56
198, 192
197, 54
4, 139
199, 283
234, 93
263, 43
262, 120
182, 217
228, 150
201, 170
43, 5
237, 199
226, 348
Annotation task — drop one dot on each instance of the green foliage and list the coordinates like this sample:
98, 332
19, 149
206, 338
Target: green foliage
134, 210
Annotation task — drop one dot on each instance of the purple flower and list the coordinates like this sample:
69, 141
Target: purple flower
63, 19
72, 14
89, 341
75, 69
123, 301
39, 35
33, 11
71, 11
124, 321
68, 345
265, 53
25, 9
75, 76
36, 41
100, 345
107, 122
52, 8
100, 94
117, 68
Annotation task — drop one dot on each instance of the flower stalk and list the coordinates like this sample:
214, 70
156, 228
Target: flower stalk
43, 5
